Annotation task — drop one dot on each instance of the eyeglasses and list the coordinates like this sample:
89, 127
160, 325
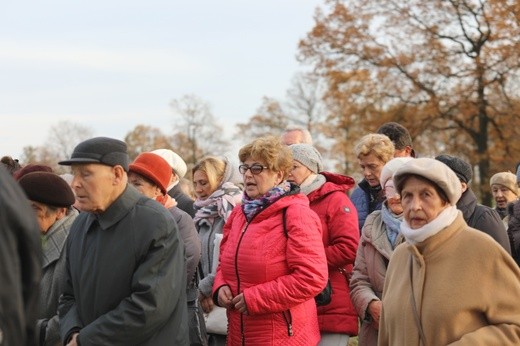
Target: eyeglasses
255, 168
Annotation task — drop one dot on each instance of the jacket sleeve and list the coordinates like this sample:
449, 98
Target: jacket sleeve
358, 198
158, 283
361, 290
343, 231
500, 309
218, 280
307, 265
191, 241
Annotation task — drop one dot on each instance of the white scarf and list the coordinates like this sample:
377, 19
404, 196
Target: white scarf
443, 220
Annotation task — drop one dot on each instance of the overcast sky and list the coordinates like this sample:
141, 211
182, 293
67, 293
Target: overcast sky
111, 65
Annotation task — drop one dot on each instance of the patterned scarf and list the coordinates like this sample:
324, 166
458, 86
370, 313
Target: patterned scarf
219, 204
252, 207
392, 223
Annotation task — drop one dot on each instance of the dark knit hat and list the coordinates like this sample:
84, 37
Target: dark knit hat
31, 168
461, 168
308, 156
103, 150
153, 167
47, 188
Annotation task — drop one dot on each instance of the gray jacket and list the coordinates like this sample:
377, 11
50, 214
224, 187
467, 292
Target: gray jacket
125, 281
53, 273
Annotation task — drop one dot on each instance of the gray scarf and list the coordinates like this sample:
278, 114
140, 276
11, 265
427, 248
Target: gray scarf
313, 182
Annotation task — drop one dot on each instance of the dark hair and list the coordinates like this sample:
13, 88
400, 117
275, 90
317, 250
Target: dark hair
12, 165
397, 133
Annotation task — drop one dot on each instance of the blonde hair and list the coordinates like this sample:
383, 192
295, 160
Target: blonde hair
270, 150
379, 145
214, 168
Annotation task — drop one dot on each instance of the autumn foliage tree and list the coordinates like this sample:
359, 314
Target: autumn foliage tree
447, 70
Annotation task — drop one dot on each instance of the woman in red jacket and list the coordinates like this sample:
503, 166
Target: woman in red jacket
267, 278
327, 193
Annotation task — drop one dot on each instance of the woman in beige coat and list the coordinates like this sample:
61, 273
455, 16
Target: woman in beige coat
449, 284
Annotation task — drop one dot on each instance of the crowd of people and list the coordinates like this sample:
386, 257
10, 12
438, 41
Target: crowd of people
276, 251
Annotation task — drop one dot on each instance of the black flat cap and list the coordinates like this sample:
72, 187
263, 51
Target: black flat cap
461, 168
103, 150
47, 188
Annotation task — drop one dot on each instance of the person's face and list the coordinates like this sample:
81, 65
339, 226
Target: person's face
371, 167
45, 216
95, 186
292, 137
298, 173
257, 185
421, 202
502, 195
201, 185
144, 186
393, 199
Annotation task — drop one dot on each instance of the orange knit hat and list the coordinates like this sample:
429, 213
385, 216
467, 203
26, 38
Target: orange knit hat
153, 167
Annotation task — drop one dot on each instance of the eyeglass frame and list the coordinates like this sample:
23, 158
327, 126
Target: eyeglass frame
252, 168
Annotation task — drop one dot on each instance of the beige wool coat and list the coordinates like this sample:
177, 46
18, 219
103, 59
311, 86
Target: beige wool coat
466, 289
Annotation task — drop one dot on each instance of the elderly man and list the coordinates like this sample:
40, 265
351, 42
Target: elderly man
126, 277
296, 135
52, 199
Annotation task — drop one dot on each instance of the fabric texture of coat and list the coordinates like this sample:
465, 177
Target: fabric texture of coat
366, 200
340, 235
20, 265
514, 230
278, 275
125, 281
466, 290
368, 278
483, 218
53, 274
184, 202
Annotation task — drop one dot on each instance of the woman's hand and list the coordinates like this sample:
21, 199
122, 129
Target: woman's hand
206, 303
225, 297
374, 309
239, 302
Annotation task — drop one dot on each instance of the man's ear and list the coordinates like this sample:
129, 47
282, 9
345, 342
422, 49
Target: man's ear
119, 174
464, 186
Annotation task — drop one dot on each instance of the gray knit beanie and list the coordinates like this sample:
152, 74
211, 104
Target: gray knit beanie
308, 156
461, 168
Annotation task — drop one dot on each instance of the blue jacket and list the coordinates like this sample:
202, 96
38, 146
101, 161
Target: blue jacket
366, 199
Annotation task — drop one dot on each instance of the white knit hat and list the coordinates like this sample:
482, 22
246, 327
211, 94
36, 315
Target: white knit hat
308, 156
390, 168
435, 171
175, 161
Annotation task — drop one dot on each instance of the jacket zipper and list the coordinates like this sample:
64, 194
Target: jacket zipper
243, 338
288, 321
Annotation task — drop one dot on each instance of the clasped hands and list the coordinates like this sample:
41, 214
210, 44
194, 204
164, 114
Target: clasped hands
226, 299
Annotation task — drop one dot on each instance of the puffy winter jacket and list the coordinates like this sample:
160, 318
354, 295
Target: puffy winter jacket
339, 222
278, 275
366, 199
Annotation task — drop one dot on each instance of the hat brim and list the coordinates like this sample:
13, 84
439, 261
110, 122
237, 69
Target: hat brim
79, 160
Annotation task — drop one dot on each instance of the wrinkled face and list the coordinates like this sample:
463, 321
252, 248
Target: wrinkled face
298, 173
421, 202
393, 199
502, 195
257, 185
45, 216
144, 186
371, 167
201, 185
94, 186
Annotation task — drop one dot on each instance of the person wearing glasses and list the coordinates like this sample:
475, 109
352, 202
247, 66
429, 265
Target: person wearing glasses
217, 194
272, 260
379, 237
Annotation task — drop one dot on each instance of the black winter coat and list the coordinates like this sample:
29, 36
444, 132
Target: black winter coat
514, 230
184, 202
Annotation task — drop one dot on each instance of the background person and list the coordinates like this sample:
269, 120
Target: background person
327, 194
178, 171
401, 138
125, 281
373, 151
295, 135
51, 199
20, 265
217, 195
505, 190
440, 288
267, 279
513, 228
476, 215
379, 237
150, 174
